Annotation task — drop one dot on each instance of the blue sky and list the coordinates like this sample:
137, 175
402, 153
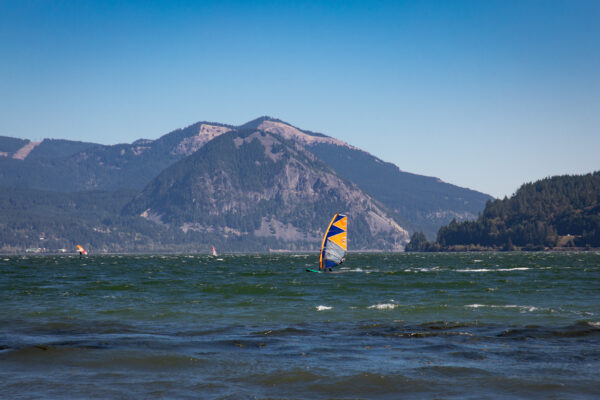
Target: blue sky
482, 94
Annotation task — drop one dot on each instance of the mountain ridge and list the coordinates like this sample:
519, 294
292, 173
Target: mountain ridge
413, 202
265, 186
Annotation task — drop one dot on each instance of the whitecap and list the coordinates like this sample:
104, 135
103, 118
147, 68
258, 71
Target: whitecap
475, 270
323, 308
522, 308
475, 305
514, 269
493, 270
348, 269
384, 306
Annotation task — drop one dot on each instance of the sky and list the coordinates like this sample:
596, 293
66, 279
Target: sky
486, 95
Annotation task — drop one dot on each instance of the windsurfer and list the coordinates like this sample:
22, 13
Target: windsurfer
81, 251
333, 247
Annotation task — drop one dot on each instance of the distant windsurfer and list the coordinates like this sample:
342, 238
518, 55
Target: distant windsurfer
81, 251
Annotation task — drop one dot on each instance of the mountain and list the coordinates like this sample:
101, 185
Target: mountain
9, 146
251, 184
417, 202
557, 212
412, 202
67, 166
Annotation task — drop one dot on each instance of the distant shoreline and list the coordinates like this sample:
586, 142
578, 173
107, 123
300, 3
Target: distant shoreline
290, 252
480, 249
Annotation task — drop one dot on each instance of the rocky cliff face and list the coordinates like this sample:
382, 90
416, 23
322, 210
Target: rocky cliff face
206, 133
259, 184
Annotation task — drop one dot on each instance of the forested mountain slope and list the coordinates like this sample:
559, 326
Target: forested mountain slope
561, 211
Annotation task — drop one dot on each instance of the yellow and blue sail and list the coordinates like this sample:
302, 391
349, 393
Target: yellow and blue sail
334, 246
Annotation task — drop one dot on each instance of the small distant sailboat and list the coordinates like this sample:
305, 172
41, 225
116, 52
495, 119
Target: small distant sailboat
214, 251
81, 250
334, 246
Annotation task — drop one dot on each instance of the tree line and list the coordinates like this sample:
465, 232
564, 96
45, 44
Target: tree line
556, 212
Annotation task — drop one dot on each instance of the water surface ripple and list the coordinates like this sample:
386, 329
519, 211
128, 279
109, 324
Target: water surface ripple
451, 326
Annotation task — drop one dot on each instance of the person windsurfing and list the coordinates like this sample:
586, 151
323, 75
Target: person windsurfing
81, 251
334, 246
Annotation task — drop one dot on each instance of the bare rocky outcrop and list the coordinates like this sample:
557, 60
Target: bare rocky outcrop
24, 151
290, 133
206, 133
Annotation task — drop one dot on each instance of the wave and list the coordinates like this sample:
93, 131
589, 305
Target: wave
356, 385
493, 269
323, 308
484, 332
423, 269
524, 308
580, 329
384, 306
346, 269
288, 331
439, 269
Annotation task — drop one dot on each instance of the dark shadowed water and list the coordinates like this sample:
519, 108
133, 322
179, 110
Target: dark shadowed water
448, 326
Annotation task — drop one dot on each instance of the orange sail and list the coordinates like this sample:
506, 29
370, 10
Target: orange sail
81, 250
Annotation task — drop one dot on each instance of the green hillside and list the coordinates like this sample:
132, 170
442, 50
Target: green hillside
50, 221
557, 212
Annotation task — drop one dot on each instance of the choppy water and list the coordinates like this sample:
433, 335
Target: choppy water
479, 325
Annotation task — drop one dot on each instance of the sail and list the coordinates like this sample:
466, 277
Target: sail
81, 250
214, 251
333, 248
